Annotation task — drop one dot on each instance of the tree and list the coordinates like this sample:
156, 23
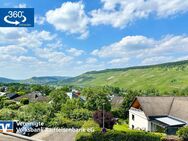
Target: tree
128, 99
2, 101
7, 114
183, 133
57, 97
68, 107
95, 98
35, 112
109, 120
81, 114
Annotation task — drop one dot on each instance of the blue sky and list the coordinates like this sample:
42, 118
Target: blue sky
75, 36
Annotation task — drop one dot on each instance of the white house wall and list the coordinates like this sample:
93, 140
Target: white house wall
140, 120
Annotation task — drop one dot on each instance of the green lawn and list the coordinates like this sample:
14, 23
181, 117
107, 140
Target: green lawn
121, 127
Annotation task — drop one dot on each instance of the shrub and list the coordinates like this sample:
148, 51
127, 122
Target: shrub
113, 135
109, 120
24, 101
7, 114
61, 121
183, 133
9, 102
91, 124
35, 112
70, 106
14, 106
81, 114
118, 113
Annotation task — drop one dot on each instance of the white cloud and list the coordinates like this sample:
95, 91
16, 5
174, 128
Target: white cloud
12, 50
75, 52
70, 18
91, 60
119, 61
53, 56
58, 44
124, 47
157, 60
31, 53
120, 13
143, 50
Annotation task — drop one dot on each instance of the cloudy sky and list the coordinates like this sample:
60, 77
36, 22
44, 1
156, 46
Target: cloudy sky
73, 37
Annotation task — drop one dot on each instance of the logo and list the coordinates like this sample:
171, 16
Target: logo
6, 126
16, 17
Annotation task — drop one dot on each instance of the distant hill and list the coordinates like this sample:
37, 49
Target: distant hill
6, 80
44, 80
36, 80
164, 77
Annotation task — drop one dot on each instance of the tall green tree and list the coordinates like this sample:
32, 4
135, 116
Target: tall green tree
96, 97
57, 98
35, 112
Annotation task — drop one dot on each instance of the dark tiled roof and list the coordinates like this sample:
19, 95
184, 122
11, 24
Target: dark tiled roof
117, 101
165, 106
12, 95
33, 97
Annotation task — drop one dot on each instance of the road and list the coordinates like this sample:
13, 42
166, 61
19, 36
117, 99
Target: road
9, 138
55, 136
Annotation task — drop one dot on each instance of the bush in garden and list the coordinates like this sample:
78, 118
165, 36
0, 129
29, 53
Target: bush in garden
183, 133
24, 101
7, 114
14, 106
91, 124
61, 121
81, 114
39, 111
109, 120
9, 102
113, 135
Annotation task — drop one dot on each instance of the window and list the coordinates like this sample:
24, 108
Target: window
132, 117
132, 126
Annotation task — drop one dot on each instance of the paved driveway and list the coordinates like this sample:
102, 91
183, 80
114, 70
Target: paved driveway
9, 138
56, 136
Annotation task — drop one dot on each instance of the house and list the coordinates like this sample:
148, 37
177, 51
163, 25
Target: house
75, 94
2, 93
117, 101
3, 89
33, 97
158, 114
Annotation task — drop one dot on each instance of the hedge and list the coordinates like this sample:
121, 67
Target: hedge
183, 133
112, 135
65, 122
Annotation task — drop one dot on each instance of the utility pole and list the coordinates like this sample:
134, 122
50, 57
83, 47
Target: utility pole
103, 117
103, 127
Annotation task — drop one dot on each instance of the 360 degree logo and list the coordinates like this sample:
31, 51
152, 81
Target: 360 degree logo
16, 17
